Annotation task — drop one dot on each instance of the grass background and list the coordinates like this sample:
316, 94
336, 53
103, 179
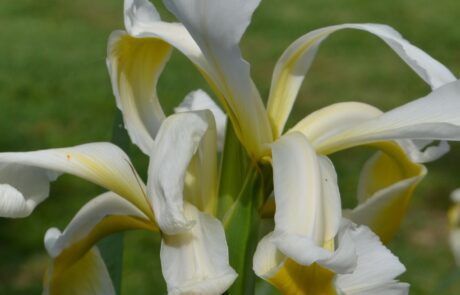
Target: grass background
55, 91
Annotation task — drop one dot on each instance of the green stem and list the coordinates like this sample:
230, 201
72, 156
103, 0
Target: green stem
242, 190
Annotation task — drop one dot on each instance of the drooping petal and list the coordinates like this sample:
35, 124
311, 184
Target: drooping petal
102, 163
76, 266
376, 270
219, 60
295, 62
308, 209
385, 188
88, 276
199, 100
197, 261
89, 217
135, 65
178, 140
433, 117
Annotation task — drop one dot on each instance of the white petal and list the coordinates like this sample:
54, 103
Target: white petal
424, 153
102, 163
89, 216
217, 27
177, 142
335, 118
139, 14
87, 276
306, 193
200, 100
433, 117
308, 209
267, 259
22, 188
376, 269
295, 62
197, 262
135, 65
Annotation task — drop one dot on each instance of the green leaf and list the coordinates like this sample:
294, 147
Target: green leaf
234, 165
111, 247
242, 190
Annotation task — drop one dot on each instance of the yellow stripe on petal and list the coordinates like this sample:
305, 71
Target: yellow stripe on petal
387, 183
297, 279
111, 224
135, 65
88, 276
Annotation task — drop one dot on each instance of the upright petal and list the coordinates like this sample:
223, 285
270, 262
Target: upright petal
219, 60
217, 28
433, 117
199, 100
135, 65
178, 140
197, 261
25, 176
385, 188
295, 62
76, 266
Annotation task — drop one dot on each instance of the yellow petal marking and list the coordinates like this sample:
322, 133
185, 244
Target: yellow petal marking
389, 168
73, 254
297, 279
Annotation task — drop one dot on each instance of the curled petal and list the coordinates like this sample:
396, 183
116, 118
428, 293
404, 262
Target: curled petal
199, 100
178, 140
197, 262
29, 173
295, 62
89, 219
135, 65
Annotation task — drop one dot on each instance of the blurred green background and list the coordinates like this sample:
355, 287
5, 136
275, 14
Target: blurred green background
55, 91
